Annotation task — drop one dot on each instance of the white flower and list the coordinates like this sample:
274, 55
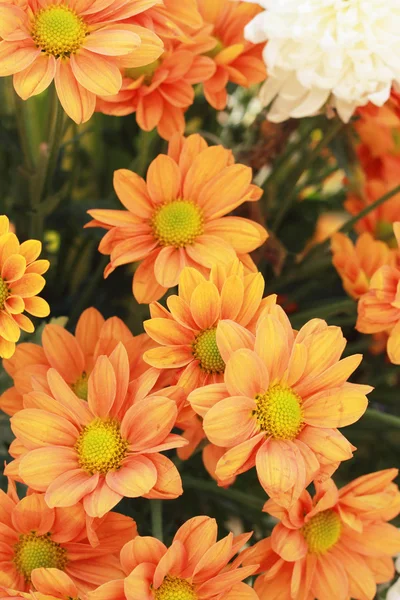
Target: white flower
344, 52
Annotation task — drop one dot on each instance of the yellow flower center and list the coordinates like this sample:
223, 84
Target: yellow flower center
80, 387
205, 350
175, 588
34, 551
100, 446
58, 30
322, 532
177, 223
4, 293
279, 412
219, 46
146, 70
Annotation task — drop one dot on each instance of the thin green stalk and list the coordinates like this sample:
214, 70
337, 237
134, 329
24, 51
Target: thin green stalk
233, 495
325, 311
157, 519
304, 165
348, 226
381, 417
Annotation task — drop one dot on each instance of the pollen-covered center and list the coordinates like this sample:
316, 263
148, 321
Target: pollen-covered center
100, 446
4, 293
80, 387
178, 223
279, 412
205, 350
58, 30
322, 532
34, 551
175, 588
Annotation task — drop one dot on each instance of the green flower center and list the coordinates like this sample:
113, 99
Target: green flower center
205, 350
146, 70
178, 223
322, 532
175, 588
384, 232
4, 293
279, 412
216, 50
100, 446
34, 551
80, 387
58, 30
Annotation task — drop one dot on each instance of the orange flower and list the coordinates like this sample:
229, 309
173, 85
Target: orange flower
281, 404
335, 546
379, 308
79, 44
161, 92
100, 450
20, 282
7, 593
194, 566
32, 535
237, 60
172, 19
177, 219
72, 356
356, 263
190, 335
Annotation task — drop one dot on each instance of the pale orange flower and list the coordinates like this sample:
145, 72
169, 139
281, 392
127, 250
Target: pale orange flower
205, 310
103, 449
356, 263
335, 546
379, 308
73, 356
237, 60
79, 44
172, 19
32, 535
161, 92
281, 405
20, 282
177, 218
195, 566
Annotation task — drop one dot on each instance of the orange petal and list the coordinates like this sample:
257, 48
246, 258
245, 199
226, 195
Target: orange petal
9, 329
168, 266
146, 288
70, 487
36, 428
95, 73
239, 459
204, 167
163, 179
30, 249
78, 102
112, 40
32, 514
39, 468
242, 234
189, 280
102, 387
29, 285
337, 407
167, 332
230, 421
63, 352
138, 583
142, 549
166, 357
112, 590
52, 581
204, 398
13, 268
230, 186
136, 477
169, 483
36, 78
148, 422
214, 560
245, 374
171, 563
272, 346
101, 500
288, 543
209, 249
205, 305
15, 57
14, 305
329, 443
38, 307
231, 337
132, 191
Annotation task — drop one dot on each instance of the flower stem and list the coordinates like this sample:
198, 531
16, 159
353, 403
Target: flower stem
157, 519
230, 494
324, 311
348, 226
378, 416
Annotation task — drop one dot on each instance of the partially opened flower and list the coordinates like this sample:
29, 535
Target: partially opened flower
335, 545
32, 536
100, 450
327, 51
78, 44
194, 567
20, 282
236, 59
161, 92
73, 356
205, 310
281, 405
177, 218
356, 263
379, 308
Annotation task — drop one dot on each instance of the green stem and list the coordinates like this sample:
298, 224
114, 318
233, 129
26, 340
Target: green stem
324, 311
157, 519
382, 417
348, 226
304, 165
229, 494
88, 292
143, 149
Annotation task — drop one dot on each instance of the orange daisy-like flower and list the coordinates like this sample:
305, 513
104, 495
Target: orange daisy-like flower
73, 356
20, 282
177, 218
161, 92
379, 308
192, 334
100, 450
32, 535
337, 545
194, 567
76, 43
356, 263
281, 404
237, 60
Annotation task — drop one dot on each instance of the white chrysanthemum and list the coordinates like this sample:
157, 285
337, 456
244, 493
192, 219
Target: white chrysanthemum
345, 52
